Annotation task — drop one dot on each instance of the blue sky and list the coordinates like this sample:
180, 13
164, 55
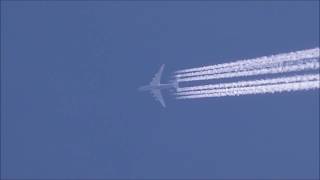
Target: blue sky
70, 106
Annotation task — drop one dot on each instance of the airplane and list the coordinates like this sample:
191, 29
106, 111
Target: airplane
155, 86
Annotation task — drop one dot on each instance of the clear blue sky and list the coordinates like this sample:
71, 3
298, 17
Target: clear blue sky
70, 106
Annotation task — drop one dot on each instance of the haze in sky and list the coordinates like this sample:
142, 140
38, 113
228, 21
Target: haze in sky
70, 106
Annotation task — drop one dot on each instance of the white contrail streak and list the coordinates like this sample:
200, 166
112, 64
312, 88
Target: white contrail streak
290, 79
311, 64
298, 61
261, 65
271, 88
249, 63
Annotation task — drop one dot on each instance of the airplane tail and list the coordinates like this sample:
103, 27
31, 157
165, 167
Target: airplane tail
175, 83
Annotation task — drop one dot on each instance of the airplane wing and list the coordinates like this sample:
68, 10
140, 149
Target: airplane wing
157, 94
157, 78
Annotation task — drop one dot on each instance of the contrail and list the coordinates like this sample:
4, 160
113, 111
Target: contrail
309, 64
250, 63
275, 63
288, 79
263, 89
305, 61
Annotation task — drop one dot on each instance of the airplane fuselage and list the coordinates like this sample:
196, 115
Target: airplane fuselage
159, 87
